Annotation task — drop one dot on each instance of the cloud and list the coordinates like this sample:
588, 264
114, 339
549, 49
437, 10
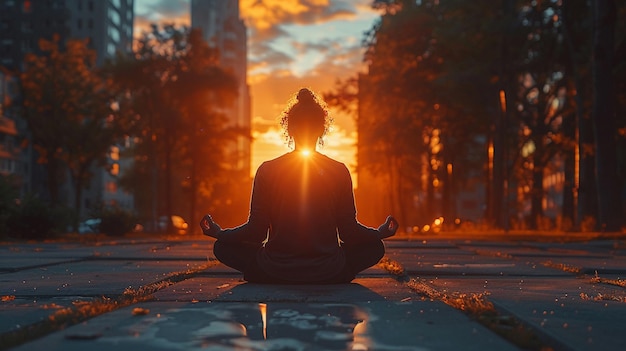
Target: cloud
163, 9
264, 15
162, 12
263, 56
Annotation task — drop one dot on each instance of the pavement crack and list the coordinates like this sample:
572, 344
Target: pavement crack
84, 310
477, 307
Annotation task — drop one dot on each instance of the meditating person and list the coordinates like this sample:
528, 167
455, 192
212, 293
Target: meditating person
302, 226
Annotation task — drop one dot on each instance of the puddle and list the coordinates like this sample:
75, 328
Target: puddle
255, 326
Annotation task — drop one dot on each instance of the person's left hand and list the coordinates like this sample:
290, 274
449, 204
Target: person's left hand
209, 227
388, 228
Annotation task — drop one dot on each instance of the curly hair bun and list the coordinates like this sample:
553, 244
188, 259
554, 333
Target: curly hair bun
305, 95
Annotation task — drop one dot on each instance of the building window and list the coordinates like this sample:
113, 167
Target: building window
27, 27
90, 23
111, 49
5, 25
115, 153
115, 169
27, 46
111, 187
27, 7
90, 5
79, 23
114, 34
114, 17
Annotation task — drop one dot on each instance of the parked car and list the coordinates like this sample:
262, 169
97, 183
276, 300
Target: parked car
91, 225
178, 223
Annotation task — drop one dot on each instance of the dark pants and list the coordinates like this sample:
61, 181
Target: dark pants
242, 256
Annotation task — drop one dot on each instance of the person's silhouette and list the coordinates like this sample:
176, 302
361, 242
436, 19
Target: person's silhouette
302, 226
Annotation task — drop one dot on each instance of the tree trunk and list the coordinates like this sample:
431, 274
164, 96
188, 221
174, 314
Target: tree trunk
78, 192
193, 188
584, 191
609, 190
537, 193
53, 168
168, 187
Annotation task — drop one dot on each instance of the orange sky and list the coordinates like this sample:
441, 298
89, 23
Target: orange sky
291, 44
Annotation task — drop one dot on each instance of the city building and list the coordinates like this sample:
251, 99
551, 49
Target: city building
108, 27
223, 29
14, 158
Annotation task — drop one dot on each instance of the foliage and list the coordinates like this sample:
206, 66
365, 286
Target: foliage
427, 99
34, 219
178, 94
70, 111
116, 221
446, 79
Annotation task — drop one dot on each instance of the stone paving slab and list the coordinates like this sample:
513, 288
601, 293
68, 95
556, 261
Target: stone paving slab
234, 289
575, 257
583, 325
89, 278
571, 310
21, 311
377, 325
526, 289
15, 264
435, 264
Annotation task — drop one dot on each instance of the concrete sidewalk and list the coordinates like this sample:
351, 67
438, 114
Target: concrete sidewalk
172, 295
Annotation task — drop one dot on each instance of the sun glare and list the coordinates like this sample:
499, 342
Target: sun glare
306, 153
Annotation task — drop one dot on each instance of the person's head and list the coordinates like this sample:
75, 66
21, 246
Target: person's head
306, 120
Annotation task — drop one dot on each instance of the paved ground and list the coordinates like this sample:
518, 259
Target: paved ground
433, 293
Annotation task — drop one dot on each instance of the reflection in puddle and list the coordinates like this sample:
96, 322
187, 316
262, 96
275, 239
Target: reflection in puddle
256, 326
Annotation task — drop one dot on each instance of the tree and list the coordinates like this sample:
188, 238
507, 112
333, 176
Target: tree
177, 90
69, 110
393, 104
433, 94
575, 22
603, 116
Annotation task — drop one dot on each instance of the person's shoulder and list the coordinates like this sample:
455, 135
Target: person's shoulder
273, 163
333, 163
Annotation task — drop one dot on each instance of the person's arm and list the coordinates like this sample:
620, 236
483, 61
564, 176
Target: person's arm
255, 229
350, 230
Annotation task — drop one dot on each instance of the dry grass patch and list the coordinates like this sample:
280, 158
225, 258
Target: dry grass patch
562, 266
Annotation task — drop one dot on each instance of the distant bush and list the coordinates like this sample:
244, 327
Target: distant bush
8, 196
116, 221
34, 219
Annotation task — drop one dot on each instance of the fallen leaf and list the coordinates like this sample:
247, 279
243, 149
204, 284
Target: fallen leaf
138, 311
7, 298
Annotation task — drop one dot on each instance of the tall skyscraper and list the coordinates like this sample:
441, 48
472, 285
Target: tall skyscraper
223, 29
108, 24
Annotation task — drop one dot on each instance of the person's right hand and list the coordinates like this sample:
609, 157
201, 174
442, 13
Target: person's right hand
209, 227
388, 228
